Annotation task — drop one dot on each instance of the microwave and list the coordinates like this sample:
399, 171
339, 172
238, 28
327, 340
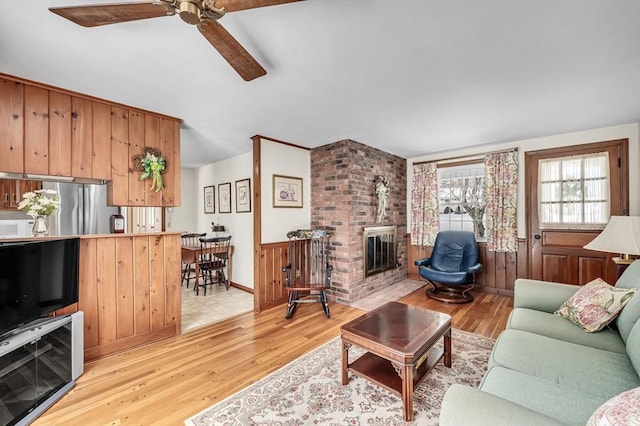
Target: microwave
16, 228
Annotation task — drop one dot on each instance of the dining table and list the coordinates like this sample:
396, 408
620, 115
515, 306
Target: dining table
190, 253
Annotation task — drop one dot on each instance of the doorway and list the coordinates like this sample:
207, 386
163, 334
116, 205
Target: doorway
572, 191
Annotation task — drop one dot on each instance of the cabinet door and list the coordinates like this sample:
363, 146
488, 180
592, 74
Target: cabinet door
12, 126
81, 137
59, 134
101, 166
171, 151
36, 130
118, 187
14, 193
4, 193
10, 194
152, 140
136, 147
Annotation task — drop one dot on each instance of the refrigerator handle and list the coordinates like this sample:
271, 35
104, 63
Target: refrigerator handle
141, 220
80, 211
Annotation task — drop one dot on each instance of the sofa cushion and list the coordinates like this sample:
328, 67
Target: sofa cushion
633, 347
623, 409
595, 305
557, 327
482, 408
551, 399
628, 317
593, 371
630, 278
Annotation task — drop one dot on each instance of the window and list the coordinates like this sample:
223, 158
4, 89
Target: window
574, 191
461, 198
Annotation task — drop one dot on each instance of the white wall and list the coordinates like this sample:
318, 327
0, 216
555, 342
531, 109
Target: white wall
183, 218
627, 131
238, 225
285, 160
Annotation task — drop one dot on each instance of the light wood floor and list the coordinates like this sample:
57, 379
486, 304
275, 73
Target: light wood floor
166, 382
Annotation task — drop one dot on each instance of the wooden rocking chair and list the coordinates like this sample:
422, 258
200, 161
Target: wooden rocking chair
308, 274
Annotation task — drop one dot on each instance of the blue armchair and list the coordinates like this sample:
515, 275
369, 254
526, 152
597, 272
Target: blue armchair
452, 267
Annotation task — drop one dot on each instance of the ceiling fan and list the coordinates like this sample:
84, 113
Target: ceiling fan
202, 13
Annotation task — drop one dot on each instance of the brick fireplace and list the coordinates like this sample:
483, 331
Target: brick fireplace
343, 201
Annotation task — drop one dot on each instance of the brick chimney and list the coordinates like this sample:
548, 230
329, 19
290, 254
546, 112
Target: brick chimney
343, 201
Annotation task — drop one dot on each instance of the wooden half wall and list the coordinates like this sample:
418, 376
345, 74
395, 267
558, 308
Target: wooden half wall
500, 270
272, 258
129, 290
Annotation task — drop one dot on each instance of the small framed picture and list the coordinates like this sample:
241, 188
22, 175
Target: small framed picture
224, 197
287, 191
243, 196
210, 199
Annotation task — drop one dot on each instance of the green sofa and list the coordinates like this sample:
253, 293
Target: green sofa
544, 370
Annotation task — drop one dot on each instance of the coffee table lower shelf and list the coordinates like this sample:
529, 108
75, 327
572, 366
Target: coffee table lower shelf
380, 371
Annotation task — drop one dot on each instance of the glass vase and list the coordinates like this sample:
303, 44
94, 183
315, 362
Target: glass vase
40, 226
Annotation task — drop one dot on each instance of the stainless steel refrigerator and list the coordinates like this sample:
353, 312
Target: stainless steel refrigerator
83, 209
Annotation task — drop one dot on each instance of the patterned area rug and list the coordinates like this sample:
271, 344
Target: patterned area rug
308, 391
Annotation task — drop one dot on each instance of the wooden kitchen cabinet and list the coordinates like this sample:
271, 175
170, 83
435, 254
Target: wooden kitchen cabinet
11, 125
131, 132
36, 130
59, 134
101, 141
118, 187
50, 131
8, 197
81, 135
11, 191
136, 187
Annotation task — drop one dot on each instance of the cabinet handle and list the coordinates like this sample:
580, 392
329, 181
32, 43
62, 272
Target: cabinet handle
6, 197
13, 198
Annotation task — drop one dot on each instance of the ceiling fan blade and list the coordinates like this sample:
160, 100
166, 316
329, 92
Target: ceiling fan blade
231, 50
103, 14
235, 5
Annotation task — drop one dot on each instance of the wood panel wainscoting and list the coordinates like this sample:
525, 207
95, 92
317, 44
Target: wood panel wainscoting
129, 290
270, 289
499, 272
498, 275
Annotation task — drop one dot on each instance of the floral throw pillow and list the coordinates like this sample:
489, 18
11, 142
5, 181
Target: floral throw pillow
623, 409
595, 305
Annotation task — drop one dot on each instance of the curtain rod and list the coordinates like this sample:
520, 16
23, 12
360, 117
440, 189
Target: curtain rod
467, 157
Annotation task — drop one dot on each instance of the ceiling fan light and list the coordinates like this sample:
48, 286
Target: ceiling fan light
189, 12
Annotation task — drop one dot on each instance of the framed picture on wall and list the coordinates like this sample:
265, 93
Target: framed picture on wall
287, 191
224, 197
243, 196
210, 199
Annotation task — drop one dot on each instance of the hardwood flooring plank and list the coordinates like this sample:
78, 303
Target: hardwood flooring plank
165, 382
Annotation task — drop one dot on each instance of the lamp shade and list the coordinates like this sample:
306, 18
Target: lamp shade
217, 228
621, 235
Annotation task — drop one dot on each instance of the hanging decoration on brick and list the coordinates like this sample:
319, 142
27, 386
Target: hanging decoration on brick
152, 165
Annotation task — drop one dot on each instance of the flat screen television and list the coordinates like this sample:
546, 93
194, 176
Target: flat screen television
37, 277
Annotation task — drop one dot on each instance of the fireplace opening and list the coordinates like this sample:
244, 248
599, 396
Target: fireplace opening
379, 249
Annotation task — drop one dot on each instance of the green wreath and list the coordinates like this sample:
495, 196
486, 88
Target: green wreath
152, 165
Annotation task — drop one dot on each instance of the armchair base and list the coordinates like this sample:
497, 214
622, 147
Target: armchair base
450, 294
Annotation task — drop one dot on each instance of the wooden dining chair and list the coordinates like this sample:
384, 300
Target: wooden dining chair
214, 254
189, 240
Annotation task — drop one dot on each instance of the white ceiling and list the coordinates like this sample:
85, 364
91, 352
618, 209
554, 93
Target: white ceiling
410, 77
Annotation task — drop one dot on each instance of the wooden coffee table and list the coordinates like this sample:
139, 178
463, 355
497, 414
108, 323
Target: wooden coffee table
399, 339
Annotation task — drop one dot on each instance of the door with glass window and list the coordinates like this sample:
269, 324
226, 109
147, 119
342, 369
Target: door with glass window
571, 193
